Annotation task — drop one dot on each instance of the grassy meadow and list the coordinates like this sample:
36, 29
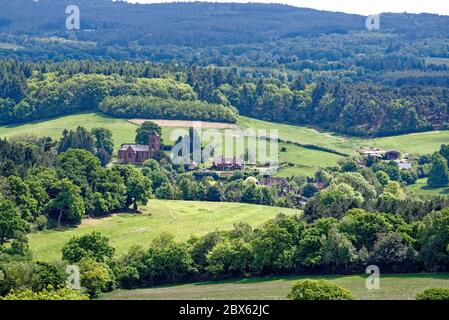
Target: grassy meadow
304, 161
392, 287
181, 218
420, 187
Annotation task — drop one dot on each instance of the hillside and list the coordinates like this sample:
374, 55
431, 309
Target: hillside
305, 160
394, 287
181, 218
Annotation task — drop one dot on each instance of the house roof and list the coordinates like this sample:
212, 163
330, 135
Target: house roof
135, 147
228, 160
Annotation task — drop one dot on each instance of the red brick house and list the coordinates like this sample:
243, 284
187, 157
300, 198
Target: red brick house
227, 163
139, 153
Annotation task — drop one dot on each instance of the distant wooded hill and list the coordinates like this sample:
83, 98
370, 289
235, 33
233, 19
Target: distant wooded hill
197, 24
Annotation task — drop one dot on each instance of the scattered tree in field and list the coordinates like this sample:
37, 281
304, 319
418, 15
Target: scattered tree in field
95, 276
138, 189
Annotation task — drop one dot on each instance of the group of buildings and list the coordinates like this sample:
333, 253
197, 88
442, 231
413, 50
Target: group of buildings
139, 153
386, 155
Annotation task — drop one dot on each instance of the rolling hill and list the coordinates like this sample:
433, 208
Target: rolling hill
181, 218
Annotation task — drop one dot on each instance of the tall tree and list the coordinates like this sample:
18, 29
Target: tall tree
439, 173
10, 221
104, 145
138, 189
68, 202
145, 130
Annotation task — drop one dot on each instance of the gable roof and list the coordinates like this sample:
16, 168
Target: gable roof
135, 147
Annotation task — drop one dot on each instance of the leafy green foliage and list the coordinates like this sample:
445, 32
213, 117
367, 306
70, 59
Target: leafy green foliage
59, 294
433, 294
439, 173
94, 246
318, 290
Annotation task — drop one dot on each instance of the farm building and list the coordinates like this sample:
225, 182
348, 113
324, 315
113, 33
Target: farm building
139, 153
379, 153
227, 163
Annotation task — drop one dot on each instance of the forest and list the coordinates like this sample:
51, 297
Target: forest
31, 91
217, 62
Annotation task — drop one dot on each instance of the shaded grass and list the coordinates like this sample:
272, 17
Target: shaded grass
392, 287
420, 187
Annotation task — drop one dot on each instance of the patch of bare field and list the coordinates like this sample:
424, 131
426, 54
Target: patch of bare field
186, 123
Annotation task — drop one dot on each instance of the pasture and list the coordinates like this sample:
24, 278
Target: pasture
181, 218
392, 287
420, 187
303, 161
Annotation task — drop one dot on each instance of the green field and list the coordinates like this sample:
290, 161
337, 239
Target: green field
420, 187
392, 287
306, 161
302, 135
418, 143
123, 131
181, 218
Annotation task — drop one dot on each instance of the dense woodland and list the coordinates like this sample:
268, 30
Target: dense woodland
314, 68
31, 91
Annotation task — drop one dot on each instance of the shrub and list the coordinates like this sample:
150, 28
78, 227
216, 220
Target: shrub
93, 245
434, 294
318, 290
96, 277
60, 294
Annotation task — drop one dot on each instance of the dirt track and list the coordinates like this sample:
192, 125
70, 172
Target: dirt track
186, 123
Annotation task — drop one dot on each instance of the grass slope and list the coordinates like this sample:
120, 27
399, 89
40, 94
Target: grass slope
181, 218
302, 135
420, 187
306, 161
418, 143
392, 287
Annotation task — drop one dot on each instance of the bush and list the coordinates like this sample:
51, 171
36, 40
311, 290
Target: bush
318, 290
60, 294
93, 245
96, 277
434, 294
